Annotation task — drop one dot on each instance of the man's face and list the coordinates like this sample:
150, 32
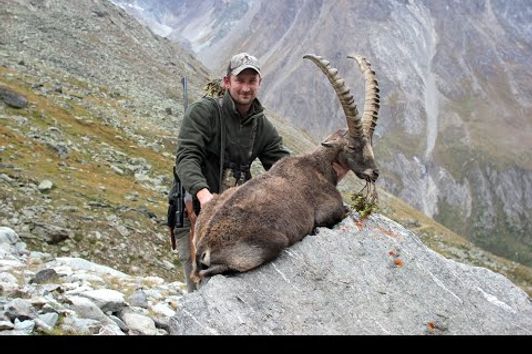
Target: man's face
243, 87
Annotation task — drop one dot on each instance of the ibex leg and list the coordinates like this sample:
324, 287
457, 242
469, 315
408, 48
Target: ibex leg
330, 211
253, 252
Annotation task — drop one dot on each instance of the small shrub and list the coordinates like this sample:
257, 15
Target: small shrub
365, 202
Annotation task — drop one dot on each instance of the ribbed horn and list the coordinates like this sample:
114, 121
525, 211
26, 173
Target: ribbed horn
372, 98
352, 117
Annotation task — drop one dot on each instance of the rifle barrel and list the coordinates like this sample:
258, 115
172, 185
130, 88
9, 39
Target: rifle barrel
184, 82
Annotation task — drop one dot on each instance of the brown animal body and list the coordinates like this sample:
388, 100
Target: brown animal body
248, 225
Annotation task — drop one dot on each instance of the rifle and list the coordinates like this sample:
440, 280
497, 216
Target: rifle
186, 198
175, 209
181, 198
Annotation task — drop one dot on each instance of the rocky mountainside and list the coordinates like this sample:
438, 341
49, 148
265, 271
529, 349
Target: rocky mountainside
86, 161
103, 45
454, 135
89, 112
348, 280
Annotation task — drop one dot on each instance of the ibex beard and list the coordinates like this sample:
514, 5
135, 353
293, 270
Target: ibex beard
249, 225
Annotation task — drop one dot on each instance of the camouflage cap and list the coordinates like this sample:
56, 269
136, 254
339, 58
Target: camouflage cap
241, 62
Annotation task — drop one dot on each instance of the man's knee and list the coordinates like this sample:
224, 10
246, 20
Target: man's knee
182, 239
181, 232
183, 251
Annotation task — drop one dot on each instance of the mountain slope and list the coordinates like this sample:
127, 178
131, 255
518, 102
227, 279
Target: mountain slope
107, 145
100, 88
454, 134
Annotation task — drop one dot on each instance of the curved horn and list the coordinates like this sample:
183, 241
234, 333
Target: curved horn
354, 123
372, 99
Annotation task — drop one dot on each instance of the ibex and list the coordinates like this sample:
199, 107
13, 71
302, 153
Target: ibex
248, 225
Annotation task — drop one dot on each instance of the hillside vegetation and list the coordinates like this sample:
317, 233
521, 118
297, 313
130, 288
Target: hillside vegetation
107, 202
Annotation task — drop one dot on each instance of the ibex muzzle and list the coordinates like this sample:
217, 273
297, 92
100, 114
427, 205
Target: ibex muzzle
251, 224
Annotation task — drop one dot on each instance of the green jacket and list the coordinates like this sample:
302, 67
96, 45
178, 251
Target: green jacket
198, 147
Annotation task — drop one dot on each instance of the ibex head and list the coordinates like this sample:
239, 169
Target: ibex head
355, 142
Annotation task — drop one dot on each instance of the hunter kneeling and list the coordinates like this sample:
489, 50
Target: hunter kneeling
252, 223
219, 139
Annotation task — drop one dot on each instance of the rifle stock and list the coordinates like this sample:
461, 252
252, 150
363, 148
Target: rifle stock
172, 238
176, 209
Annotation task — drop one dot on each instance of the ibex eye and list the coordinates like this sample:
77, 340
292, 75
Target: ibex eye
204, 260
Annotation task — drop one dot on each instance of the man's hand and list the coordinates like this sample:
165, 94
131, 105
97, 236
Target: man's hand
204, 196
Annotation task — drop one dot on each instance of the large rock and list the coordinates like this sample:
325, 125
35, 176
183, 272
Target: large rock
12, 98
11, 246
370, 278
80, 264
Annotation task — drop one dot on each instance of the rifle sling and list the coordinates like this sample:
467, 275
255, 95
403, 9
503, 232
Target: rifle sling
222, 142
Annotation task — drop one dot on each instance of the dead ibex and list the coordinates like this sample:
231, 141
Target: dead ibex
248, 225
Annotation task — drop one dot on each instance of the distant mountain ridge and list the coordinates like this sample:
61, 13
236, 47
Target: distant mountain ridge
455, 129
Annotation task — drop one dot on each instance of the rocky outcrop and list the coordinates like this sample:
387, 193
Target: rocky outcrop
362, 277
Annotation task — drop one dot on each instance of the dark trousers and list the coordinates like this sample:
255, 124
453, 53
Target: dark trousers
183, 250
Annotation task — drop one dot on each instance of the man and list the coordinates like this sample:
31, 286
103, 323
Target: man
238, 124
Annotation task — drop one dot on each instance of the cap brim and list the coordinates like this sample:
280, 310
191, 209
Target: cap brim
244, 67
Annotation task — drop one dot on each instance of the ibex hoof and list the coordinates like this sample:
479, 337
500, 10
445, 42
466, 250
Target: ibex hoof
314, 232
195, 278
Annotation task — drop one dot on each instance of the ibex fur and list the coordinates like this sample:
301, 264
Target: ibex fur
251, 224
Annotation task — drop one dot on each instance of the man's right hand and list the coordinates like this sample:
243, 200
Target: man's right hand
204, 196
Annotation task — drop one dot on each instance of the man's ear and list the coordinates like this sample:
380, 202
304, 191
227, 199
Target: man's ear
227, 81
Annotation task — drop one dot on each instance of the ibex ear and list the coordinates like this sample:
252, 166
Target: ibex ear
330, 141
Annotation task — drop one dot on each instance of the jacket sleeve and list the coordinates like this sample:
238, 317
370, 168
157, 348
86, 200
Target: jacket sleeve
273, 148
194, 135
